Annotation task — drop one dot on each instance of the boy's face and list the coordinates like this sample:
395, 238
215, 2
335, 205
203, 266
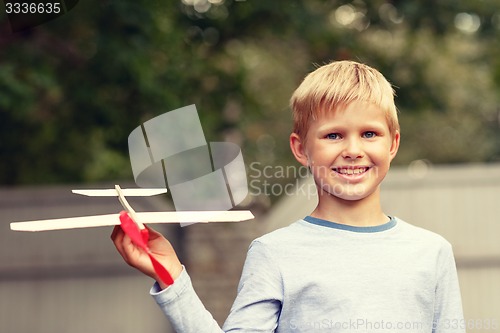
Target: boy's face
349, 150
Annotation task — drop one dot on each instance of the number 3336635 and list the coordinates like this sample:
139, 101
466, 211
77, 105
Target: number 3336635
32, 8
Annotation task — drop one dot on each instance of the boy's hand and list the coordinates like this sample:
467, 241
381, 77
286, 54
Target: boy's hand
159, 247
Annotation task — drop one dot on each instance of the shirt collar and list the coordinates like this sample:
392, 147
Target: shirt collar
378, 228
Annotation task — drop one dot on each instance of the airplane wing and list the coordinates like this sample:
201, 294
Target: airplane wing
143, 217
129, 192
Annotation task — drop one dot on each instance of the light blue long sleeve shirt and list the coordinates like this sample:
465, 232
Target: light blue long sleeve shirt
319, 276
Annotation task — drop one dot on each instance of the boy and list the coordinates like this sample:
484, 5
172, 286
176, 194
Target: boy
347, 267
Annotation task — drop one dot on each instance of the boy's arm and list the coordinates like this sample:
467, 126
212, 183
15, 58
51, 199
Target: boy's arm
448, 313
256, 308
260, 294
183, 308
179, 301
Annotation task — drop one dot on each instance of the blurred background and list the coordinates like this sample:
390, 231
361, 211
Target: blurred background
71, 91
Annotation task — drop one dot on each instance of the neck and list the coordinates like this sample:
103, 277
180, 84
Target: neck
364, 212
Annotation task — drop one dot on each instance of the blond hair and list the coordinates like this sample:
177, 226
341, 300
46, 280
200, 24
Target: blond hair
338, 84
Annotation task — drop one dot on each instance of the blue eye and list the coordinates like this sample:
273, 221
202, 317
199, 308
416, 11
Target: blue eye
369, 135
333, 136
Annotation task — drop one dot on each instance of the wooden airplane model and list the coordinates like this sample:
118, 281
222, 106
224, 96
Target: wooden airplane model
140, 218
132, 222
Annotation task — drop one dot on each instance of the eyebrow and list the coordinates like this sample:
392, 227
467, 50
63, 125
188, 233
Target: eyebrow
369, 125
376, 125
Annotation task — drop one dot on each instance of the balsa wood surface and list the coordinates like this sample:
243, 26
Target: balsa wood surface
143, 217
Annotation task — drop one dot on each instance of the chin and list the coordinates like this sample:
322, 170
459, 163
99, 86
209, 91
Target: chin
355, 193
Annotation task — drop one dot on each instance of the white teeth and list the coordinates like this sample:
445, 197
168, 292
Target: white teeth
351, 171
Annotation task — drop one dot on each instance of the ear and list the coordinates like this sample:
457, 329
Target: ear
298, 149
395, 145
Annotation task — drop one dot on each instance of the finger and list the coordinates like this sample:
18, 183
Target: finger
153, 234
127, 247
124, 245
118, 242
115, 232
131, 251
116, 237
150, 229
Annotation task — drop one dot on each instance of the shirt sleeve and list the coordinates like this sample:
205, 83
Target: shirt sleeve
448, 313
256, 308
260, 294
183, 308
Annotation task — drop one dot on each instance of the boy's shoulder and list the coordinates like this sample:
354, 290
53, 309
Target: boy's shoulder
283, 234
413, 232
283, 242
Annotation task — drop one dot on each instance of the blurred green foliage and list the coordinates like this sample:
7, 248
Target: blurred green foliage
73, 89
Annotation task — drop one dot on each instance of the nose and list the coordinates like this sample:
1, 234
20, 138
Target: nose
353, 149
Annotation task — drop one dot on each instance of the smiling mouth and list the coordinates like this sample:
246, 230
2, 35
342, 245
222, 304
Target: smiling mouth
351, 170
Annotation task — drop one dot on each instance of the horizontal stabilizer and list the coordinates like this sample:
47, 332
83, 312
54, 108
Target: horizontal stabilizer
128, 192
